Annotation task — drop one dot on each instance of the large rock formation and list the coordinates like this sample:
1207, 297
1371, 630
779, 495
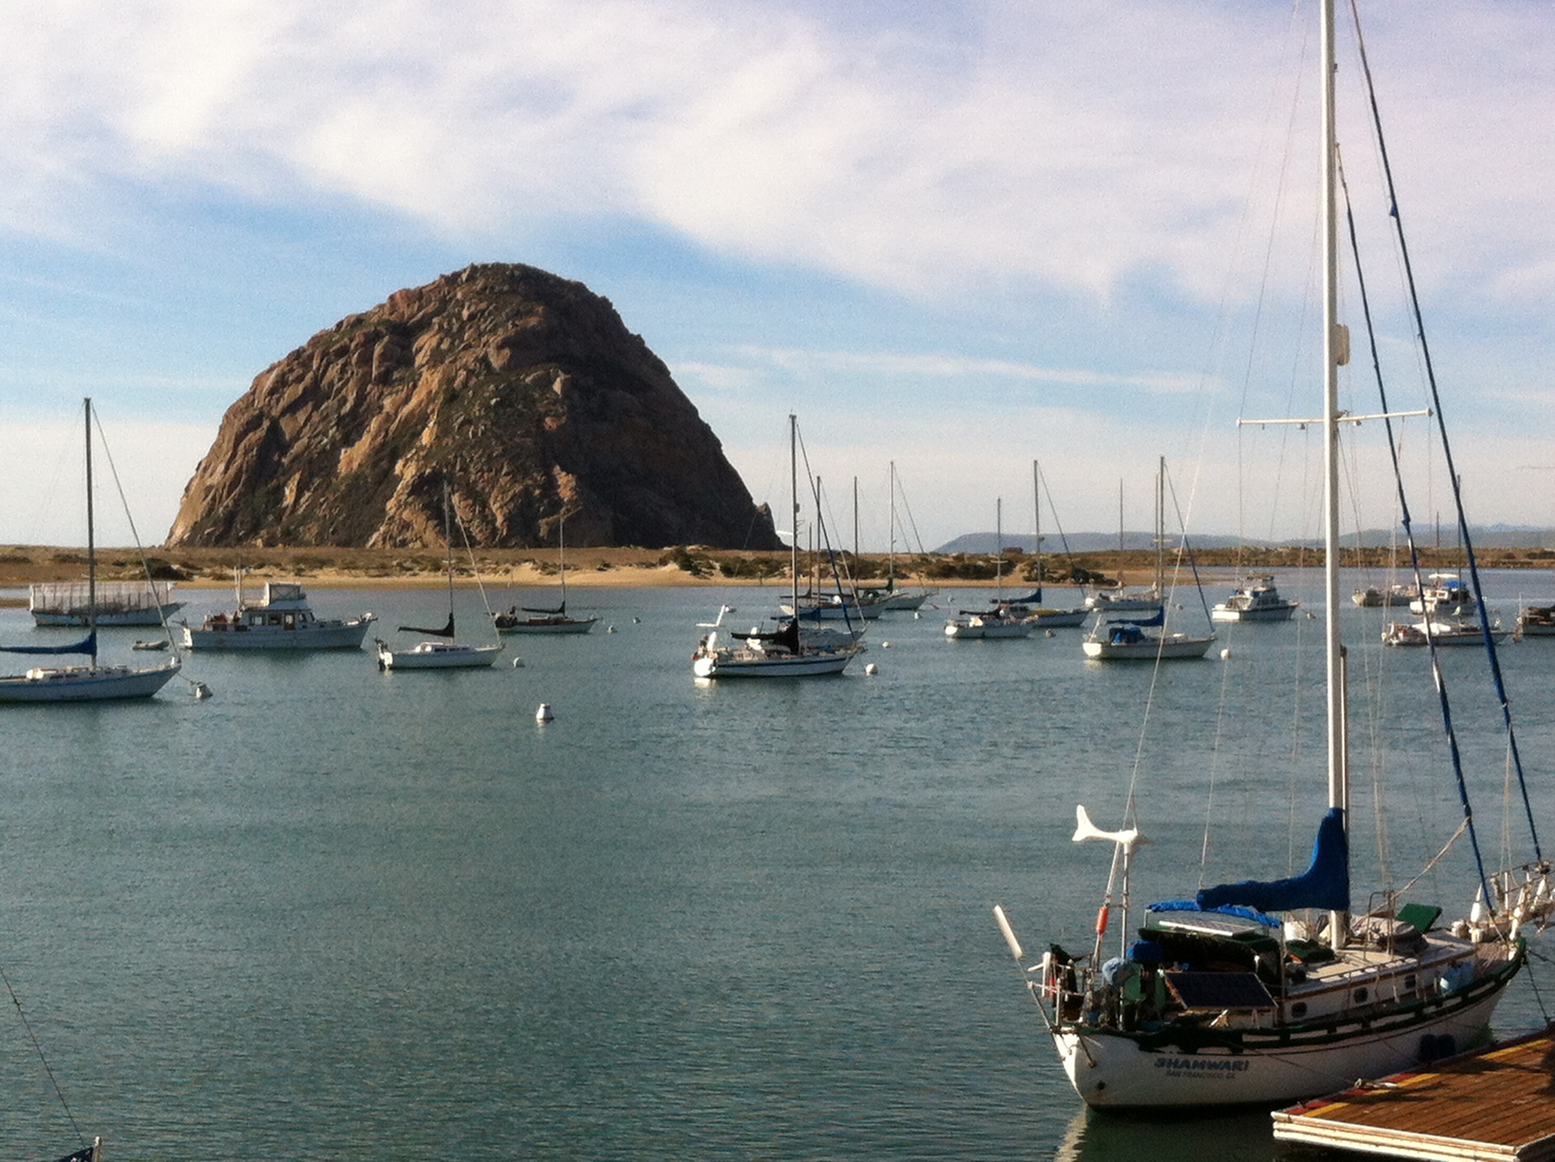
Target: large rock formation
524, 390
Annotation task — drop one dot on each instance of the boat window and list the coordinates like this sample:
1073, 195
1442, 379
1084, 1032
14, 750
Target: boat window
1361, 996
1299, 1009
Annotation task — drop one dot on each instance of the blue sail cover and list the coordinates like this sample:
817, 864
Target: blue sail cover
1158, 619
1325, 884
87, 645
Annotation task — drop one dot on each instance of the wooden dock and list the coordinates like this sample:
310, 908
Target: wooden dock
1495, 1103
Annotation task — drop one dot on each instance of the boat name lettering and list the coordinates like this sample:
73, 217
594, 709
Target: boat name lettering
1186, 1064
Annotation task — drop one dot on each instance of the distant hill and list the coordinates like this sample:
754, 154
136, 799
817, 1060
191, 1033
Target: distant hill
1487, 537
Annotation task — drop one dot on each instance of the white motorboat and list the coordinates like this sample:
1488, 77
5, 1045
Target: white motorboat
282, 619
1448, 632
92, 682
1125, 601
1445, 595
1272, 991
1256, 600
1373, 597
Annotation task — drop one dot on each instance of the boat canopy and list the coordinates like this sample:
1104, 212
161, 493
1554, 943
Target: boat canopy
1324, 885
787, 636
87, 645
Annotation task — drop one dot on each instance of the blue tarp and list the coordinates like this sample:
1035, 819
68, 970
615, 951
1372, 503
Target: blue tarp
1324, 885
87, 645
1158, 619
1224, 910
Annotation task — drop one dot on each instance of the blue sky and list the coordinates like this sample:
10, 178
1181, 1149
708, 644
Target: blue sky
957, 236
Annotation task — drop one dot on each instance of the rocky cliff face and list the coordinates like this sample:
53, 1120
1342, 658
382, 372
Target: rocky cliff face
524, 390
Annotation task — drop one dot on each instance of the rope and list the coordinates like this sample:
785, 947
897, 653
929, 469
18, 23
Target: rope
47, 1068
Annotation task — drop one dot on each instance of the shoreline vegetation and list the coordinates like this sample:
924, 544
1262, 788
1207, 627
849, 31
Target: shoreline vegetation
328, 567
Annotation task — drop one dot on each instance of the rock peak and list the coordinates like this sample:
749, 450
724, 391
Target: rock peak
522, 389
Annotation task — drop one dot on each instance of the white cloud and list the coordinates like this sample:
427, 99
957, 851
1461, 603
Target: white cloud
1051, 143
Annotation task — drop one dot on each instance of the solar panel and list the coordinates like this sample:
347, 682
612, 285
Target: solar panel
1219, 990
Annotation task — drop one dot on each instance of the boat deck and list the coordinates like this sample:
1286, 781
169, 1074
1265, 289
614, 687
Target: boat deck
1498, 1102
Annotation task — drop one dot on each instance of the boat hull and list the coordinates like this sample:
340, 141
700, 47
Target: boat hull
86, 683
1058, 618
1175, 646
570, 625
150, 616
345, 635
771, 666
1269, 613
1113, 1071
448, 658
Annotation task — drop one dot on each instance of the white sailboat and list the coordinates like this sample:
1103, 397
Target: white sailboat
1120, 599
1129, 639
1003, 620
782, 653
1272, 992
546, 620
1038, 613
92, 682
444, 653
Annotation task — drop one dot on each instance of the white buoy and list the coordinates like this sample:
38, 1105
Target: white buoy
1225, 653
871, 669
518, 663
637, 621
610, 629
544, 713
916, 616
1048, 632
201, 690
885, 645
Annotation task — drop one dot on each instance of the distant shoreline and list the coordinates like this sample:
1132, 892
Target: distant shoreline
323, 567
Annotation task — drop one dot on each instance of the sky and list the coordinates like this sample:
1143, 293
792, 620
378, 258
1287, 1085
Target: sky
956, 237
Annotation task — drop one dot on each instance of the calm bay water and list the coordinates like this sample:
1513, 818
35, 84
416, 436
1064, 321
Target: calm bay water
334, 912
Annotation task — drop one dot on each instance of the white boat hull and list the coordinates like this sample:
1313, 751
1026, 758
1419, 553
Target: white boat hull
1270, 613
86, 683
127, 617
803, 665
1113, 1072
1172, 646
345, 635
1058, 618
440, 657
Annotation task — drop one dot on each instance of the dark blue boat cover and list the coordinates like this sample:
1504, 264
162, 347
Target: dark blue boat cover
1325, 884
1158, 619
87, 645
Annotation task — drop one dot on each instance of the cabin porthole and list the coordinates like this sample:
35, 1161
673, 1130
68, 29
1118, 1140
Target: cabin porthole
1299, 1009
1361, 996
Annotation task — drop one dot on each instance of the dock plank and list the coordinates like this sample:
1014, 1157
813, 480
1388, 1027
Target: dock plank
1495, 1103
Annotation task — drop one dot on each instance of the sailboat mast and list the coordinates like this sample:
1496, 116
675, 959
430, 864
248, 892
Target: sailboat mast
1334, 344
998, 536
1036, 497
91, 541
561, 554
1160, 525
793, 491
890, 565
448, 540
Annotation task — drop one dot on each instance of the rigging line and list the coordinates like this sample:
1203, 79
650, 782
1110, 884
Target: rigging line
464, 535
1441, 423
1057, 524
1409, 537
124, 503
47, 1068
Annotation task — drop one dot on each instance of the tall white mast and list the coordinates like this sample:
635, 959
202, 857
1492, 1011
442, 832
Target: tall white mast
1334, 354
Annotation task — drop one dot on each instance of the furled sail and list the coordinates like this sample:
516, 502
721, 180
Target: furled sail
1324, 885
447, 631
87, 645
